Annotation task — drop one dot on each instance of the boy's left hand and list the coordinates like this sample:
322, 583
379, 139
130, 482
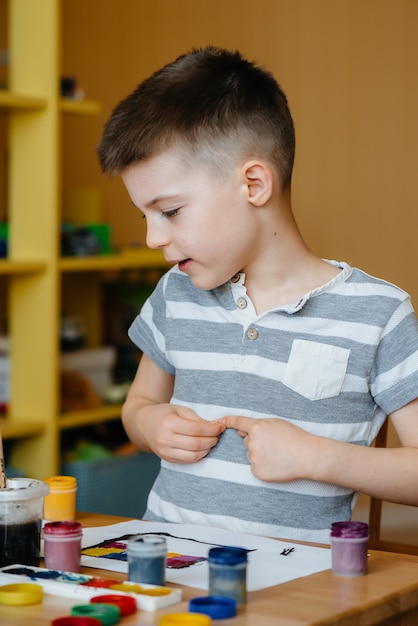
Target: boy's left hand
278, 451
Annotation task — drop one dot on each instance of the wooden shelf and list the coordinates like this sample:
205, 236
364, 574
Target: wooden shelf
40, 288
21, 267
138, 258
17, 102
19, 429
104, 413
79, 107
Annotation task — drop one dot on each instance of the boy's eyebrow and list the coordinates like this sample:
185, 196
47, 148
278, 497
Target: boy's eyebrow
158, 199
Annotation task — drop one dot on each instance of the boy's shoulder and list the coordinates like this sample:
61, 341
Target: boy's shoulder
374, 285
355, 281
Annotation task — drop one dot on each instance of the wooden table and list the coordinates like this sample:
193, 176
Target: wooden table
388, 595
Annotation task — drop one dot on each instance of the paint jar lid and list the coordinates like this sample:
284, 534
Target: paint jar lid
61, 483
126, 604
217, 607
20, 594
349, 530
228, 555
108, 614
185, 619
63, 529
147, 545
73, 620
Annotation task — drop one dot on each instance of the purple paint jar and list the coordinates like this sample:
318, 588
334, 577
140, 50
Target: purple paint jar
349, 548
62, 546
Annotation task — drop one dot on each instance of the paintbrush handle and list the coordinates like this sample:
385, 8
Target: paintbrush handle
2, 475
2, 465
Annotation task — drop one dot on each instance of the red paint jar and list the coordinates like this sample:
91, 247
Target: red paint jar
62, 546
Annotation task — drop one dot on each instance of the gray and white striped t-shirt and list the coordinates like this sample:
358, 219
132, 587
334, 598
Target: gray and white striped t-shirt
335, 364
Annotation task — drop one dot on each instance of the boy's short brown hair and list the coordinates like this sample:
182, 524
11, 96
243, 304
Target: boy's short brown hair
212, 104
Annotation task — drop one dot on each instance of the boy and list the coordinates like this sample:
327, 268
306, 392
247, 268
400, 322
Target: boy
266, 372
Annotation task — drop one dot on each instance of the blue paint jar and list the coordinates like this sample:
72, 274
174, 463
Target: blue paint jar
147, 557
228, 573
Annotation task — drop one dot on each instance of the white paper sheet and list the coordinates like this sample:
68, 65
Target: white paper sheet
266, 566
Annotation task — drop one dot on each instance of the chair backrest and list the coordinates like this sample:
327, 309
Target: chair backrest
375, 510
375, 514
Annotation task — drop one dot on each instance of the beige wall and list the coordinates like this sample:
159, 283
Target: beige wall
349, 68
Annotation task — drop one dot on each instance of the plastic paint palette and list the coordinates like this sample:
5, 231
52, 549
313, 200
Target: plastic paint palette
82, 587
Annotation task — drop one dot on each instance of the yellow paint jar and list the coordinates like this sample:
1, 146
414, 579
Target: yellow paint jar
60, 503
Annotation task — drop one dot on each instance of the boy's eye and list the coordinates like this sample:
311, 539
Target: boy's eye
170, 212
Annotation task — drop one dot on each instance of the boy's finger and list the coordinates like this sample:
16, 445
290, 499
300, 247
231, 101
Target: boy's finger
239, 422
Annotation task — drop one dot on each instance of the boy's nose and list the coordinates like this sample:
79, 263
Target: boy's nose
156, 237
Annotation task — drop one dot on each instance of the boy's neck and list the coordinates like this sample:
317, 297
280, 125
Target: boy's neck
285, 271
273, 293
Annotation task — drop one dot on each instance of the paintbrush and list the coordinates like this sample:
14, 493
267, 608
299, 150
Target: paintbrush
2, 466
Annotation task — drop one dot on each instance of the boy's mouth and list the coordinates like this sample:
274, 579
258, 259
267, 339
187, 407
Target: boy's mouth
184, 264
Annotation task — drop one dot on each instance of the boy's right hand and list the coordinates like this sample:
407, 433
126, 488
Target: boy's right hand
176, 434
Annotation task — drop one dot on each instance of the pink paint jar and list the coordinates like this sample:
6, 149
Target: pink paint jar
62, 546
349, 548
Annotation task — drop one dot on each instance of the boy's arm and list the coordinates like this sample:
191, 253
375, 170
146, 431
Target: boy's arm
279, 451
175, 433
384, 473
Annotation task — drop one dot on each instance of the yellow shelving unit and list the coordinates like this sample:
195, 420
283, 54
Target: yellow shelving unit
16, 102
143, 258
37, 278
79, 107
21, 267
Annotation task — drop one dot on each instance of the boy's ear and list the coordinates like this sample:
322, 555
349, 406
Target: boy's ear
258, 178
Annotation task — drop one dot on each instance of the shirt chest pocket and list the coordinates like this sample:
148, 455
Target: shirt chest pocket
316, 370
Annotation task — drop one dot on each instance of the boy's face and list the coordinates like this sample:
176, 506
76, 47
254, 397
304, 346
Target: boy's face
202, 222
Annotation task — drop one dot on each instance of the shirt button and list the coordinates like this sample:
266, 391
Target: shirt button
252, 334
241, 303
235, 278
